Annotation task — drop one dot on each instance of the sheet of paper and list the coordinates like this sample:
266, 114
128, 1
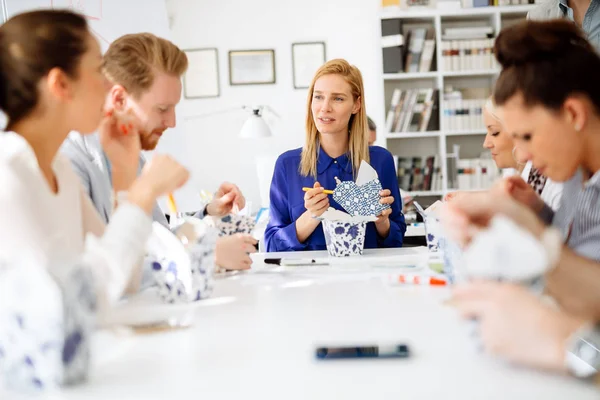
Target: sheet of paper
366, 173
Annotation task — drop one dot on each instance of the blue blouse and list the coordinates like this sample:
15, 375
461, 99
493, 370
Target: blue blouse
287, 199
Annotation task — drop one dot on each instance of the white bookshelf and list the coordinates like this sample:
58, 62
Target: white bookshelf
481, 72
408, 76
440, 141
392, 12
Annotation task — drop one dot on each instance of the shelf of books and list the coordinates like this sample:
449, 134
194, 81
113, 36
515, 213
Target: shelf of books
438, 71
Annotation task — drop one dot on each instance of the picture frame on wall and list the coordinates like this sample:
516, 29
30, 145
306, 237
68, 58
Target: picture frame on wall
307, 57
252, 67
201, 80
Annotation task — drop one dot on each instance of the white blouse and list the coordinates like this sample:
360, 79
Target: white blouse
57, 230
59, 268
552, 191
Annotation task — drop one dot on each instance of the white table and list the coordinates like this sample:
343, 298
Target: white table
261, 346
417, 229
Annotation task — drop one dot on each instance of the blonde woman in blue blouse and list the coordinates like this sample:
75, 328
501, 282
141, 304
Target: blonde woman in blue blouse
336, 143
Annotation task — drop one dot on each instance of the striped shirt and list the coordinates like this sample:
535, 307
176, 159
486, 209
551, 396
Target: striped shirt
578, 216
553, 9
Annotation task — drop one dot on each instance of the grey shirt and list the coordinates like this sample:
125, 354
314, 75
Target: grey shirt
94, 170
578, 216
552, 9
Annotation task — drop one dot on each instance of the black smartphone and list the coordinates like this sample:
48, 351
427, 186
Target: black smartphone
377, 351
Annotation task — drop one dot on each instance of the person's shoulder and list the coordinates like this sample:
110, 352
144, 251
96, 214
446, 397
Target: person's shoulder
290, 157
77, 144
18, 164
379, 153
544, 11
13, 147
291, 154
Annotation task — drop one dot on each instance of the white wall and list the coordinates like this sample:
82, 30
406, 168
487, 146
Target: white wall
210, 146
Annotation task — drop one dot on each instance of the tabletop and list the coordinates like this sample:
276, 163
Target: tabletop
257, 336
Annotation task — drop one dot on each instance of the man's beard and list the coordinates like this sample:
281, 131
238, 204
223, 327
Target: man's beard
149, 141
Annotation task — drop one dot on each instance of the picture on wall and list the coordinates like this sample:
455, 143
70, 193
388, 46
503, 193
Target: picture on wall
252, 67
306, 60
201, 79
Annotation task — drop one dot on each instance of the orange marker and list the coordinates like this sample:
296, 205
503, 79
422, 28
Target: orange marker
417, 280
306, 189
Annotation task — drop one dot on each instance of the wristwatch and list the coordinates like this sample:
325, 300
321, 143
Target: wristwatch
583, 352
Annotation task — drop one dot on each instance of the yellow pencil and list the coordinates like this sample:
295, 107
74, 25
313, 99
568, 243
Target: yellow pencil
306, 189
172, 205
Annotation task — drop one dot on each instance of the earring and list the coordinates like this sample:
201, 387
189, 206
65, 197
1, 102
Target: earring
577, 128
515, 157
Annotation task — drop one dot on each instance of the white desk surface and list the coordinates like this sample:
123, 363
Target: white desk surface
415, 230
261, 346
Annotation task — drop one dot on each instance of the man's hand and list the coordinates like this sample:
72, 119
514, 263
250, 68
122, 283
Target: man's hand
227, 198
233, 252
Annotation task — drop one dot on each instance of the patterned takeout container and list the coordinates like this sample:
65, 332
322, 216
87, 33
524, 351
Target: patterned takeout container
344, 238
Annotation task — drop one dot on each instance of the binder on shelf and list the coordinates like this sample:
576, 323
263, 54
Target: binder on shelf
463, 115
392, 43
430, 109
416, 174
468, 55
427, 56
409, 103
415, 49
391, 116
413, 110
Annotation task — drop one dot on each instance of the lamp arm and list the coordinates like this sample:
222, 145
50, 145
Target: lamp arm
269, 109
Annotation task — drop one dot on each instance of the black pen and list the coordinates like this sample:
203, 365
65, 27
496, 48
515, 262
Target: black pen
292, 262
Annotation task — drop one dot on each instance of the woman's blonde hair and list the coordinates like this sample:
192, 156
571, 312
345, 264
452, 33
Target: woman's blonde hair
132, 61
357, 126
491, 108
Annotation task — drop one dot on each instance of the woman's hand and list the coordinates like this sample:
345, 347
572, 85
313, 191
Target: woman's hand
161, 176
383, 220
519, 190
465, 216
516, 325
452, 195
120, 141
315, 201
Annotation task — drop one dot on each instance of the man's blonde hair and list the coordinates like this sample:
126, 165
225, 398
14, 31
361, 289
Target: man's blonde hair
357, 126
132, 61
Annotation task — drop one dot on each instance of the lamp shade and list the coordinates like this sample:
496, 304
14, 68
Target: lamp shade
255, 127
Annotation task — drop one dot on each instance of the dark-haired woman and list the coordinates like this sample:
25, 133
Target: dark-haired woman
549, 99
548, 95
58, 264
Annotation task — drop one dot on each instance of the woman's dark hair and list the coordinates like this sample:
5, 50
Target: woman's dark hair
546, 62
32, 44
